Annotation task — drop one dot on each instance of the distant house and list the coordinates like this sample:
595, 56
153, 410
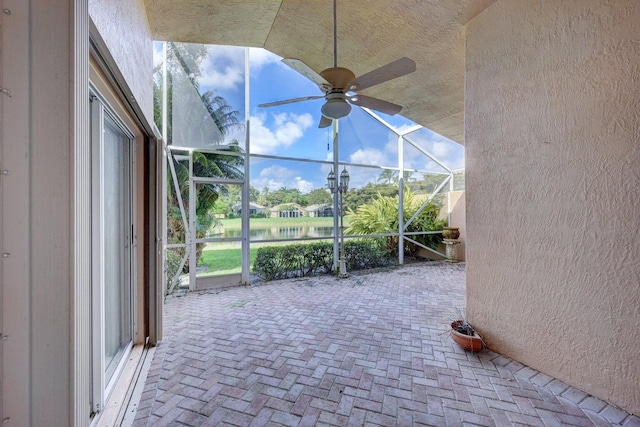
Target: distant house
254, 209
288, 210
294, 210
322, 210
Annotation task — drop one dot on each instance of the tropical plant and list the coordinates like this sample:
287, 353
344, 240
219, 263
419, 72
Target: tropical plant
381, 217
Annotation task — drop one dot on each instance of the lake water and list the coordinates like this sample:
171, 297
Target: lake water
280, 232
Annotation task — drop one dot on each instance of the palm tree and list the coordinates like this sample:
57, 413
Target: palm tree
387, 176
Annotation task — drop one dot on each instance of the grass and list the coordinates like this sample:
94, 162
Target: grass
224, 260
226, 257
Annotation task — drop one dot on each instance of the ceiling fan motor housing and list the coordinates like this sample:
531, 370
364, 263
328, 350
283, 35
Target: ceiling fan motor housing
339, 77
335, 107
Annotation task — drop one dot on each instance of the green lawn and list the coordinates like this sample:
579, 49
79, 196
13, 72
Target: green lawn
224, 260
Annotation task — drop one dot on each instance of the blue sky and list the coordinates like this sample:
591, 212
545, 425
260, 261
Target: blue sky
291, 130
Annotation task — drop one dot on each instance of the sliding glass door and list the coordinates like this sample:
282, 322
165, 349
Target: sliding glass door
113, 238
116, 245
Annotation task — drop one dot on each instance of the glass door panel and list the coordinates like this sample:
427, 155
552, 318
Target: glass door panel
112, 286
116, 247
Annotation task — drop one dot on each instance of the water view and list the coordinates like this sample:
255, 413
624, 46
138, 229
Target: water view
275, 228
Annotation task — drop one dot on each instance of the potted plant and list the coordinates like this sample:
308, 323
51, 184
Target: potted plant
466, 336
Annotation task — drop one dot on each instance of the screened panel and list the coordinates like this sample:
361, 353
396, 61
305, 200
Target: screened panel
417, 160
458, 180
364, 140
215, 202
287, 206
372, 200
447, 152
205, 95
290, 157
220, 258
427, 184
289, 130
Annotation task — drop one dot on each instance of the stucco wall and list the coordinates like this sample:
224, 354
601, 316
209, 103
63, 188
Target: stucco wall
457, 218
553, 170
124, 28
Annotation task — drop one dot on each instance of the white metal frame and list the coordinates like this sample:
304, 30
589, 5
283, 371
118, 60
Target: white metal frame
193, 284
402, 226
190, 223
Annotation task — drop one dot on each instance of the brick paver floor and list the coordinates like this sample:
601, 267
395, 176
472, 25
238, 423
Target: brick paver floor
369, 350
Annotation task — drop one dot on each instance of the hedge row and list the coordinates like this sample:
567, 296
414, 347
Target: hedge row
299, 260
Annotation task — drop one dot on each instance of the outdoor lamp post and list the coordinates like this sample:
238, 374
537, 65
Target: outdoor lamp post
341, 188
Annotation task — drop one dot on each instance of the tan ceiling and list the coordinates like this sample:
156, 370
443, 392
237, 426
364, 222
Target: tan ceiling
371, 33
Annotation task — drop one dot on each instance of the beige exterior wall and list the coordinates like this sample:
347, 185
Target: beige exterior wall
123, 26
553, 159
458, 218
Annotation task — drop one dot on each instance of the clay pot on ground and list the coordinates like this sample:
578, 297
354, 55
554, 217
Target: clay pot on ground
467, 342
450, 232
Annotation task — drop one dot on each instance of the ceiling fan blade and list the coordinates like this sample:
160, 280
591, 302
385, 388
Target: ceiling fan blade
306, 71
375, 104
290, 101
324, 122
385, 73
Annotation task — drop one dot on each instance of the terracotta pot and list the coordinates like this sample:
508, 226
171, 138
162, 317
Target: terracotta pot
450, 232
467, 342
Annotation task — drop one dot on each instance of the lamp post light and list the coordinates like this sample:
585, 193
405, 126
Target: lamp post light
340, 186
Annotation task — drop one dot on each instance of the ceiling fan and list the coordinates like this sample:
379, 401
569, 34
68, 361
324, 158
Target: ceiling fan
340, 85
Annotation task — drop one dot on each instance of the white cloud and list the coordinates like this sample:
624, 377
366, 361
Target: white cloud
303, 185
259, 58
369, 156
440, 149
288, 128
223, 68
275, 177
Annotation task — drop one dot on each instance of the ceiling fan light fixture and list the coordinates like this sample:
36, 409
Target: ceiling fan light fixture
335, 108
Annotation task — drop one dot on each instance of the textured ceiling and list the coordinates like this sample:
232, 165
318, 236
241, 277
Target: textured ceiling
371, 33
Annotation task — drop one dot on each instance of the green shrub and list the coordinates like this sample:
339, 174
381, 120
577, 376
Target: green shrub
368, 253
300, 260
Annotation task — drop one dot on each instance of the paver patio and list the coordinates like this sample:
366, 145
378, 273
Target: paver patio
369, 350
